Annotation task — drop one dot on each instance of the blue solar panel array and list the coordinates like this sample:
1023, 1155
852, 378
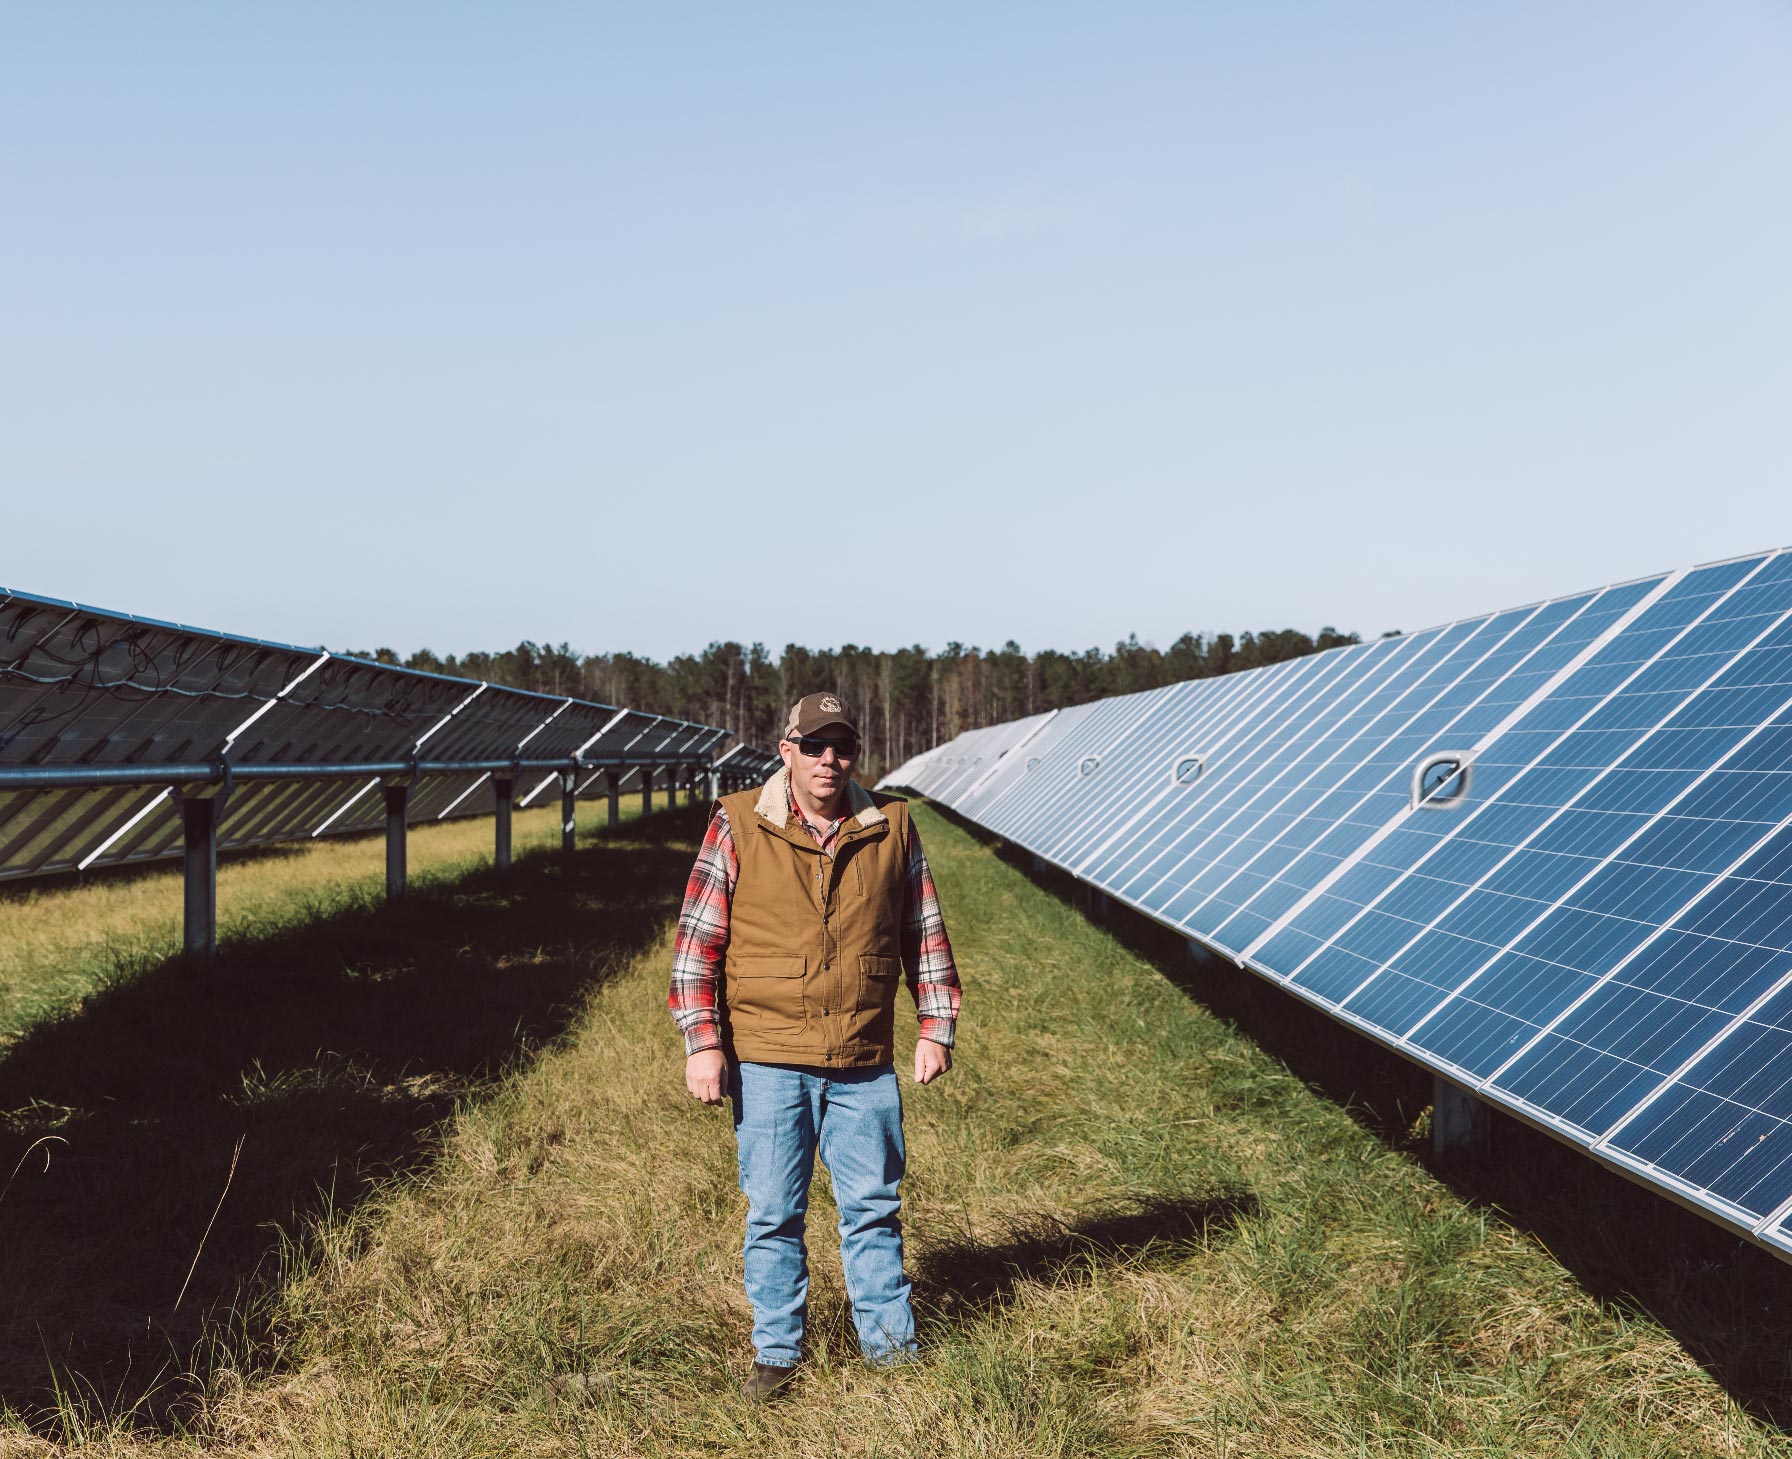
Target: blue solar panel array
1546, 852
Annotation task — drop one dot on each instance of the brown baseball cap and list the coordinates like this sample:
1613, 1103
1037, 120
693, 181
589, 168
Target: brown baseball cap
815, 712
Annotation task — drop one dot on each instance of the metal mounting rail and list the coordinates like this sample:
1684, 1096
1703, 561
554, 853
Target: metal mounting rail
97, 777
126, 739
201, 790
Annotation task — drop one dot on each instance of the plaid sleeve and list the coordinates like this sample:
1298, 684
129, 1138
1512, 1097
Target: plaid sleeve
703, 939
926, 951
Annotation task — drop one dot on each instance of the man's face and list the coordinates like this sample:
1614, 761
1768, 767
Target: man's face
820, 764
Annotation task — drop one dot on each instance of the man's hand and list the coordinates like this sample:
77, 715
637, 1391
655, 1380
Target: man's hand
931, 1060
705, 1074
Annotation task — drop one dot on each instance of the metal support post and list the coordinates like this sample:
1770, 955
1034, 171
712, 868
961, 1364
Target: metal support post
398, 802
569, 811
647, 790
715, 785
199, 815
613, 784
1087, 901
1458, 1121
1103, 909
671, 787
502, 788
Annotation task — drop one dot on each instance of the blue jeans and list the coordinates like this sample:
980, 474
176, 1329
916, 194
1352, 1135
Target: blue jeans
783, 1113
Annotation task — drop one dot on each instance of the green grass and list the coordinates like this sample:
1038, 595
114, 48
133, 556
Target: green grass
1154, 1209
65, 938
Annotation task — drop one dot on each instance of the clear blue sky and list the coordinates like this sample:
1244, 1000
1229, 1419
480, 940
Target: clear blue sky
643, 326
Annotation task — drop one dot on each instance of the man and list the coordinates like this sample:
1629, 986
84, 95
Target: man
808, 896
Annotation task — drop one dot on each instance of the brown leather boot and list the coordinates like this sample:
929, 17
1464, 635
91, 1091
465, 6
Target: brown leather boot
766, 1381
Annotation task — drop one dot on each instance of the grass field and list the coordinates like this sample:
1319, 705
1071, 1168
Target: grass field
60, 941
1156, 1208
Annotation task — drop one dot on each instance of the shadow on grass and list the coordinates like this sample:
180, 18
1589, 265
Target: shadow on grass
73, 879
328, 1054
957, 1279
1727, 1301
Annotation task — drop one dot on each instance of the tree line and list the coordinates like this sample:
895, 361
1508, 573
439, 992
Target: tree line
907, 699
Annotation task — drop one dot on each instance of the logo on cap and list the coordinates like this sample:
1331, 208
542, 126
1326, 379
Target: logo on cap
829, 704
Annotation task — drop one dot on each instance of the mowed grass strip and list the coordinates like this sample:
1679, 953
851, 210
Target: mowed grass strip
166, 1129
60, 940
1132, 1230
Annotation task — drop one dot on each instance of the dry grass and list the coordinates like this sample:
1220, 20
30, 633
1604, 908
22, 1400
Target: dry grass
1151, 1211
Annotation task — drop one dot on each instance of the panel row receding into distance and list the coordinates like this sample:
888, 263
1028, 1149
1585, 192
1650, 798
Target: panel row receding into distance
85, 688
1582, 910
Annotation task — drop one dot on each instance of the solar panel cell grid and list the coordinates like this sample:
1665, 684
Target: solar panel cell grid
988, 791
1438, 853
1181, 839
1014, 785
1597, 932
1472, 919
1210, 721
1183, 722
82, 689
997, 751
261, 813
1376, 788
1084, 777
1723, 1125
1271, 793
45, 833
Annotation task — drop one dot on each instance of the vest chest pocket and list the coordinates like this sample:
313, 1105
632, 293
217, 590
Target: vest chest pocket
877, 981
767, 992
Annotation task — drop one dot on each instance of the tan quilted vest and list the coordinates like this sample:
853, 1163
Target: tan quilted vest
814, 939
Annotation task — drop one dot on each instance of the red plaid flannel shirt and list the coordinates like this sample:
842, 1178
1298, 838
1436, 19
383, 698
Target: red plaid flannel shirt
697, 955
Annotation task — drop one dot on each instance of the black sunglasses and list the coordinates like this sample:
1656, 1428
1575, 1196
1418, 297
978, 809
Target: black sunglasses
815, 746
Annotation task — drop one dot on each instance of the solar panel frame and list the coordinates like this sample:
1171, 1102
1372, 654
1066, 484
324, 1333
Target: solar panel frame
1062, 789
979, 754
1377, 790
986, 790
147, 693
1300, 920
1135, 869
1257, 768
1502, 794
93, 693
1017, 790
1705, 1113
1395, 739
1198, 725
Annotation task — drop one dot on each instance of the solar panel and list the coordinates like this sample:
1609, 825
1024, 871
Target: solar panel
1546, 853
94, 705
979, 758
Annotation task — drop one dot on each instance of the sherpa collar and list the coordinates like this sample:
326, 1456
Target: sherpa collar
774, 802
